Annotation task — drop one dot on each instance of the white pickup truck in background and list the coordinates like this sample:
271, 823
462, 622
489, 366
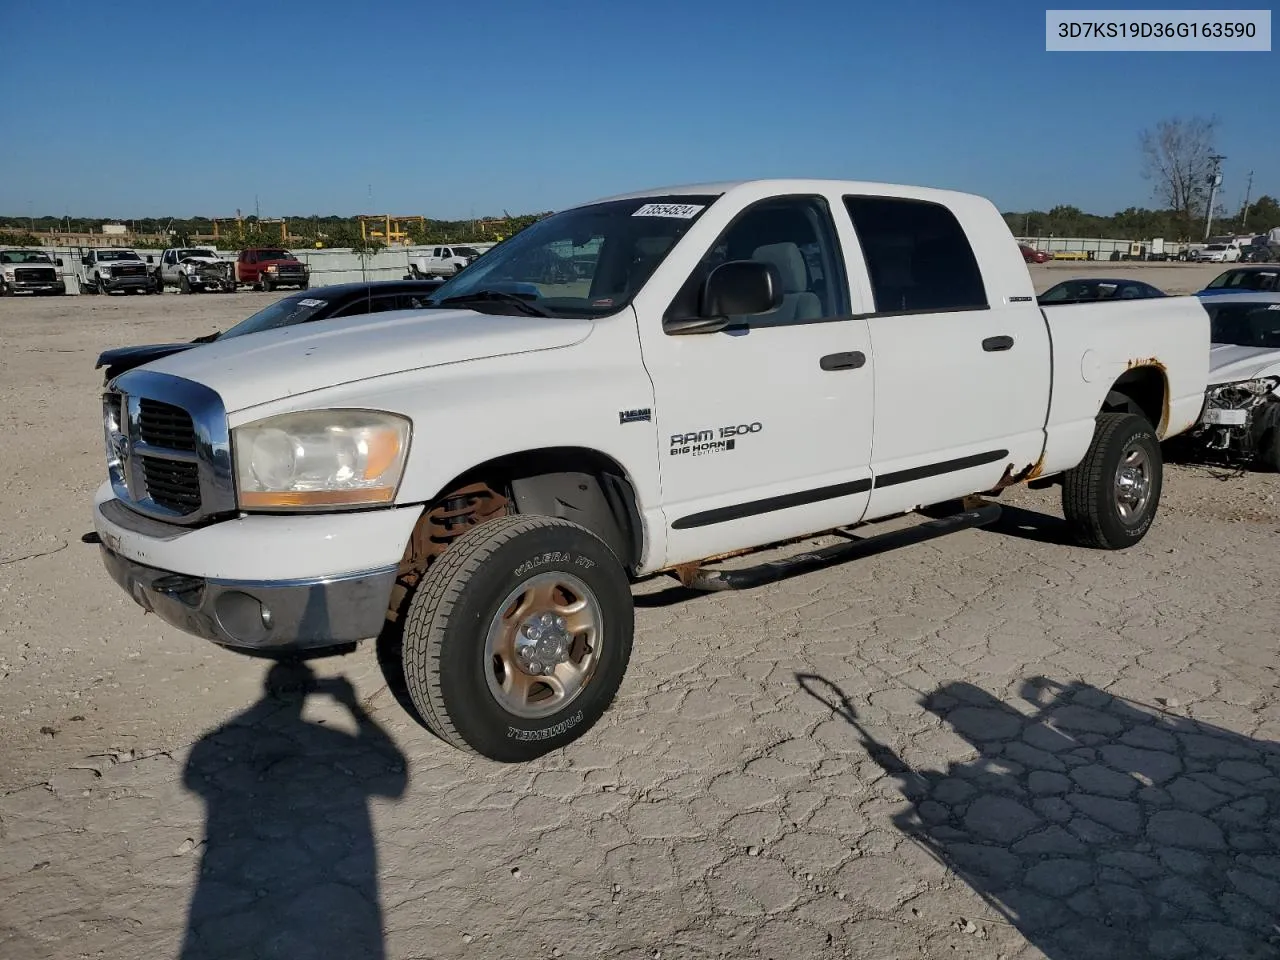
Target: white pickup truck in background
442, 261
193, 269
113, 270
726, 367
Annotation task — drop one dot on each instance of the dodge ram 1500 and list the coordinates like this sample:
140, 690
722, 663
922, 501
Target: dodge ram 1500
726, 367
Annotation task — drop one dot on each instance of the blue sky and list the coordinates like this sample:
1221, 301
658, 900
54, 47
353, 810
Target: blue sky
458, 109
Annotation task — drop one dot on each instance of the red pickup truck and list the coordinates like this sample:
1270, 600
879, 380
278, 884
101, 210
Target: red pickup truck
271, 267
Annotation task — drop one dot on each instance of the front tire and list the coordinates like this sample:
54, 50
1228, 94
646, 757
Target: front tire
1110, 498
517, 638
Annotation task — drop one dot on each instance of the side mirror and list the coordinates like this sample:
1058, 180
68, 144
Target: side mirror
150, 259
739, 288
87, 261
58, 261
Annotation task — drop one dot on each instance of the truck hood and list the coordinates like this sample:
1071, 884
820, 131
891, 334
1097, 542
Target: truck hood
1231, 364
203, 260
260, 367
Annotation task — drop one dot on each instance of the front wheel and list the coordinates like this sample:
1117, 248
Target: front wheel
184, 284
1110, 497
517, 638
266, 285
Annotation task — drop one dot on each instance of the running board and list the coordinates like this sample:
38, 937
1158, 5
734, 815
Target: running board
705, 578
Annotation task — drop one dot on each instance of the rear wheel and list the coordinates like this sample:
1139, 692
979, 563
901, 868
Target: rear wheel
1110, 498
517, 638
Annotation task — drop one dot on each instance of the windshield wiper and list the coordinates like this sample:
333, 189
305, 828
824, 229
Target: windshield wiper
492, 296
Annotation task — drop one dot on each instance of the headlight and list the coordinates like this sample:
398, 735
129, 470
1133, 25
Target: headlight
8, 274
273, 268
320, 458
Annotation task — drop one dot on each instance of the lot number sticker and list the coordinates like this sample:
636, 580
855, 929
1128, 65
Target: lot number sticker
679, 211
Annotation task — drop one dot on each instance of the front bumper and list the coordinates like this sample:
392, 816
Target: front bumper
127, 283
325, 579
38, 286
268, 617
286, 279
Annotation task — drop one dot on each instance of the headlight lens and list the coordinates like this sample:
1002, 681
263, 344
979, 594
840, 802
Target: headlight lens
320, 458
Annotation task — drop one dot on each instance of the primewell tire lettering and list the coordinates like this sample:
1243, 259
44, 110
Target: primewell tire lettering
515, 733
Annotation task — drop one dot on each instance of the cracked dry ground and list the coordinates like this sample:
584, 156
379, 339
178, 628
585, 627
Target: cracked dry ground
986, 745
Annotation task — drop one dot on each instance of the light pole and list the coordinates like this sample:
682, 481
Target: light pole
1215, 180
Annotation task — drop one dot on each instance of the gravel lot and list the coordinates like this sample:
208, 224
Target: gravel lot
988, 745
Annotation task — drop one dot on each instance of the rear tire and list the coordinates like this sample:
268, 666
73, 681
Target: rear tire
473, 614
1110, 498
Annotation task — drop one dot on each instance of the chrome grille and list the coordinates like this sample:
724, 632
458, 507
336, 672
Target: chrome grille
172, 483
164, 425
168, 448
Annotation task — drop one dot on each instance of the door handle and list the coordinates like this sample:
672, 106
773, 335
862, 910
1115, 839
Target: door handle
994, 344
843, 361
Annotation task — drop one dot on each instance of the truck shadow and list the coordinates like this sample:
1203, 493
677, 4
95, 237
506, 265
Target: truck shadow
1096, 826
289, 866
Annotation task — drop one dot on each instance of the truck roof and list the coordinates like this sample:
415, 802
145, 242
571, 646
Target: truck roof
766, 187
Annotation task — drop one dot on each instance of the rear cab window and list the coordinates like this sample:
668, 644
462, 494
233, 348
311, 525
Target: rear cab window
918, 257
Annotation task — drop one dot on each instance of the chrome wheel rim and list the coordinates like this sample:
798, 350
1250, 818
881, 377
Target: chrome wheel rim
1133, 483
543, 645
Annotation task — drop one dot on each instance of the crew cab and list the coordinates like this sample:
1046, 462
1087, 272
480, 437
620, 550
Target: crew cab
114, 270
269, 267
442, 261
192, 269
30, 271
728, 367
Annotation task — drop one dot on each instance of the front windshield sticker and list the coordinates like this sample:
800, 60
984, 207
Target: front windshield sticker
678, 211
311, 303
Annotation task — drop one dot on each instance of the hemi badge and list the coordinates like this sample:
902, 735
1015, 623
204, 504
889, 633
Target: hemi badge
634, 416
1019, 299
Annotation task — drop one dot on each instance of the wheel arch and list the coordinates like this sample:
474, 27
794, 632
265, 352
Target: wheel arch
1142, 389
580, 484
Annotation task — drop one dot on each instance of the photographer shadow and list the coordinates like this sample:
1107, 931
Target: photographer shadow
289, 866
1098, 827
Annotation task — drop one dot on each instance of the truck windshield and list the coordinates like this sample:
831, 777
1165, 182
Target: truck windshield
1245, 324
466, 252
274, 255
183, 254
24, 256
105, 255
282, 313
588, 261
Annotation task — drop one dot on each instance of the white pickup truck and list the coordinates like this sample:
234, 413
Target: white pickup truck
192, 269
113, 269
732, 366
442, 261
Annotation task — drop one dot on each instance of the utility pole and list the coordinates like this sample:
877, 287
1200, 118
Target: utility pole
1215, 180
1244, 211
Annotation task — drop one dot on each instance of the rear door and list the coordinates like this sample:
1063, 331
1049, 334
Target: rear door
962, 381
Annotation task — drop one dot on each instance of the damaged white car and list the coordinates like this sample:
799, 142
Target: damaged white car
192, 269
1240, 421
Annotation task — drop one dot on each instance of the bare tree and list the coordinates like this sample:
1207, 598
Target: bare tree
1176, 157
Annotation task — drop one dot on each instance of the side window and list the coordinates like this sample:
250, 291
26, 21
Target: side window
436, 253
797, 237
355, 308
917, 255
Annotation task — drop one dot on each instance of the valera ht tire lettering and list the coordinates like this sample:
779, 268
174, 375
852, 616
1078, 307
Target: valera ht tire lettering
454, 662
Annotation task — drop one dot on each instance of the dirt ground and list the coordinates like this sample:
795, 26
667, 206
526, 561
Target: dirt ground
987, 745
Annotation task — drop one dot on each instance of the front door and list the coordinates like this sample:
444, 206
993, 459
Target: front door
764, 428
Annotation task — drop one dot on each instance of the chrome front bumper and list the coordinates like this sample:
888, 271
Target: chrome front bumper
265, 616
